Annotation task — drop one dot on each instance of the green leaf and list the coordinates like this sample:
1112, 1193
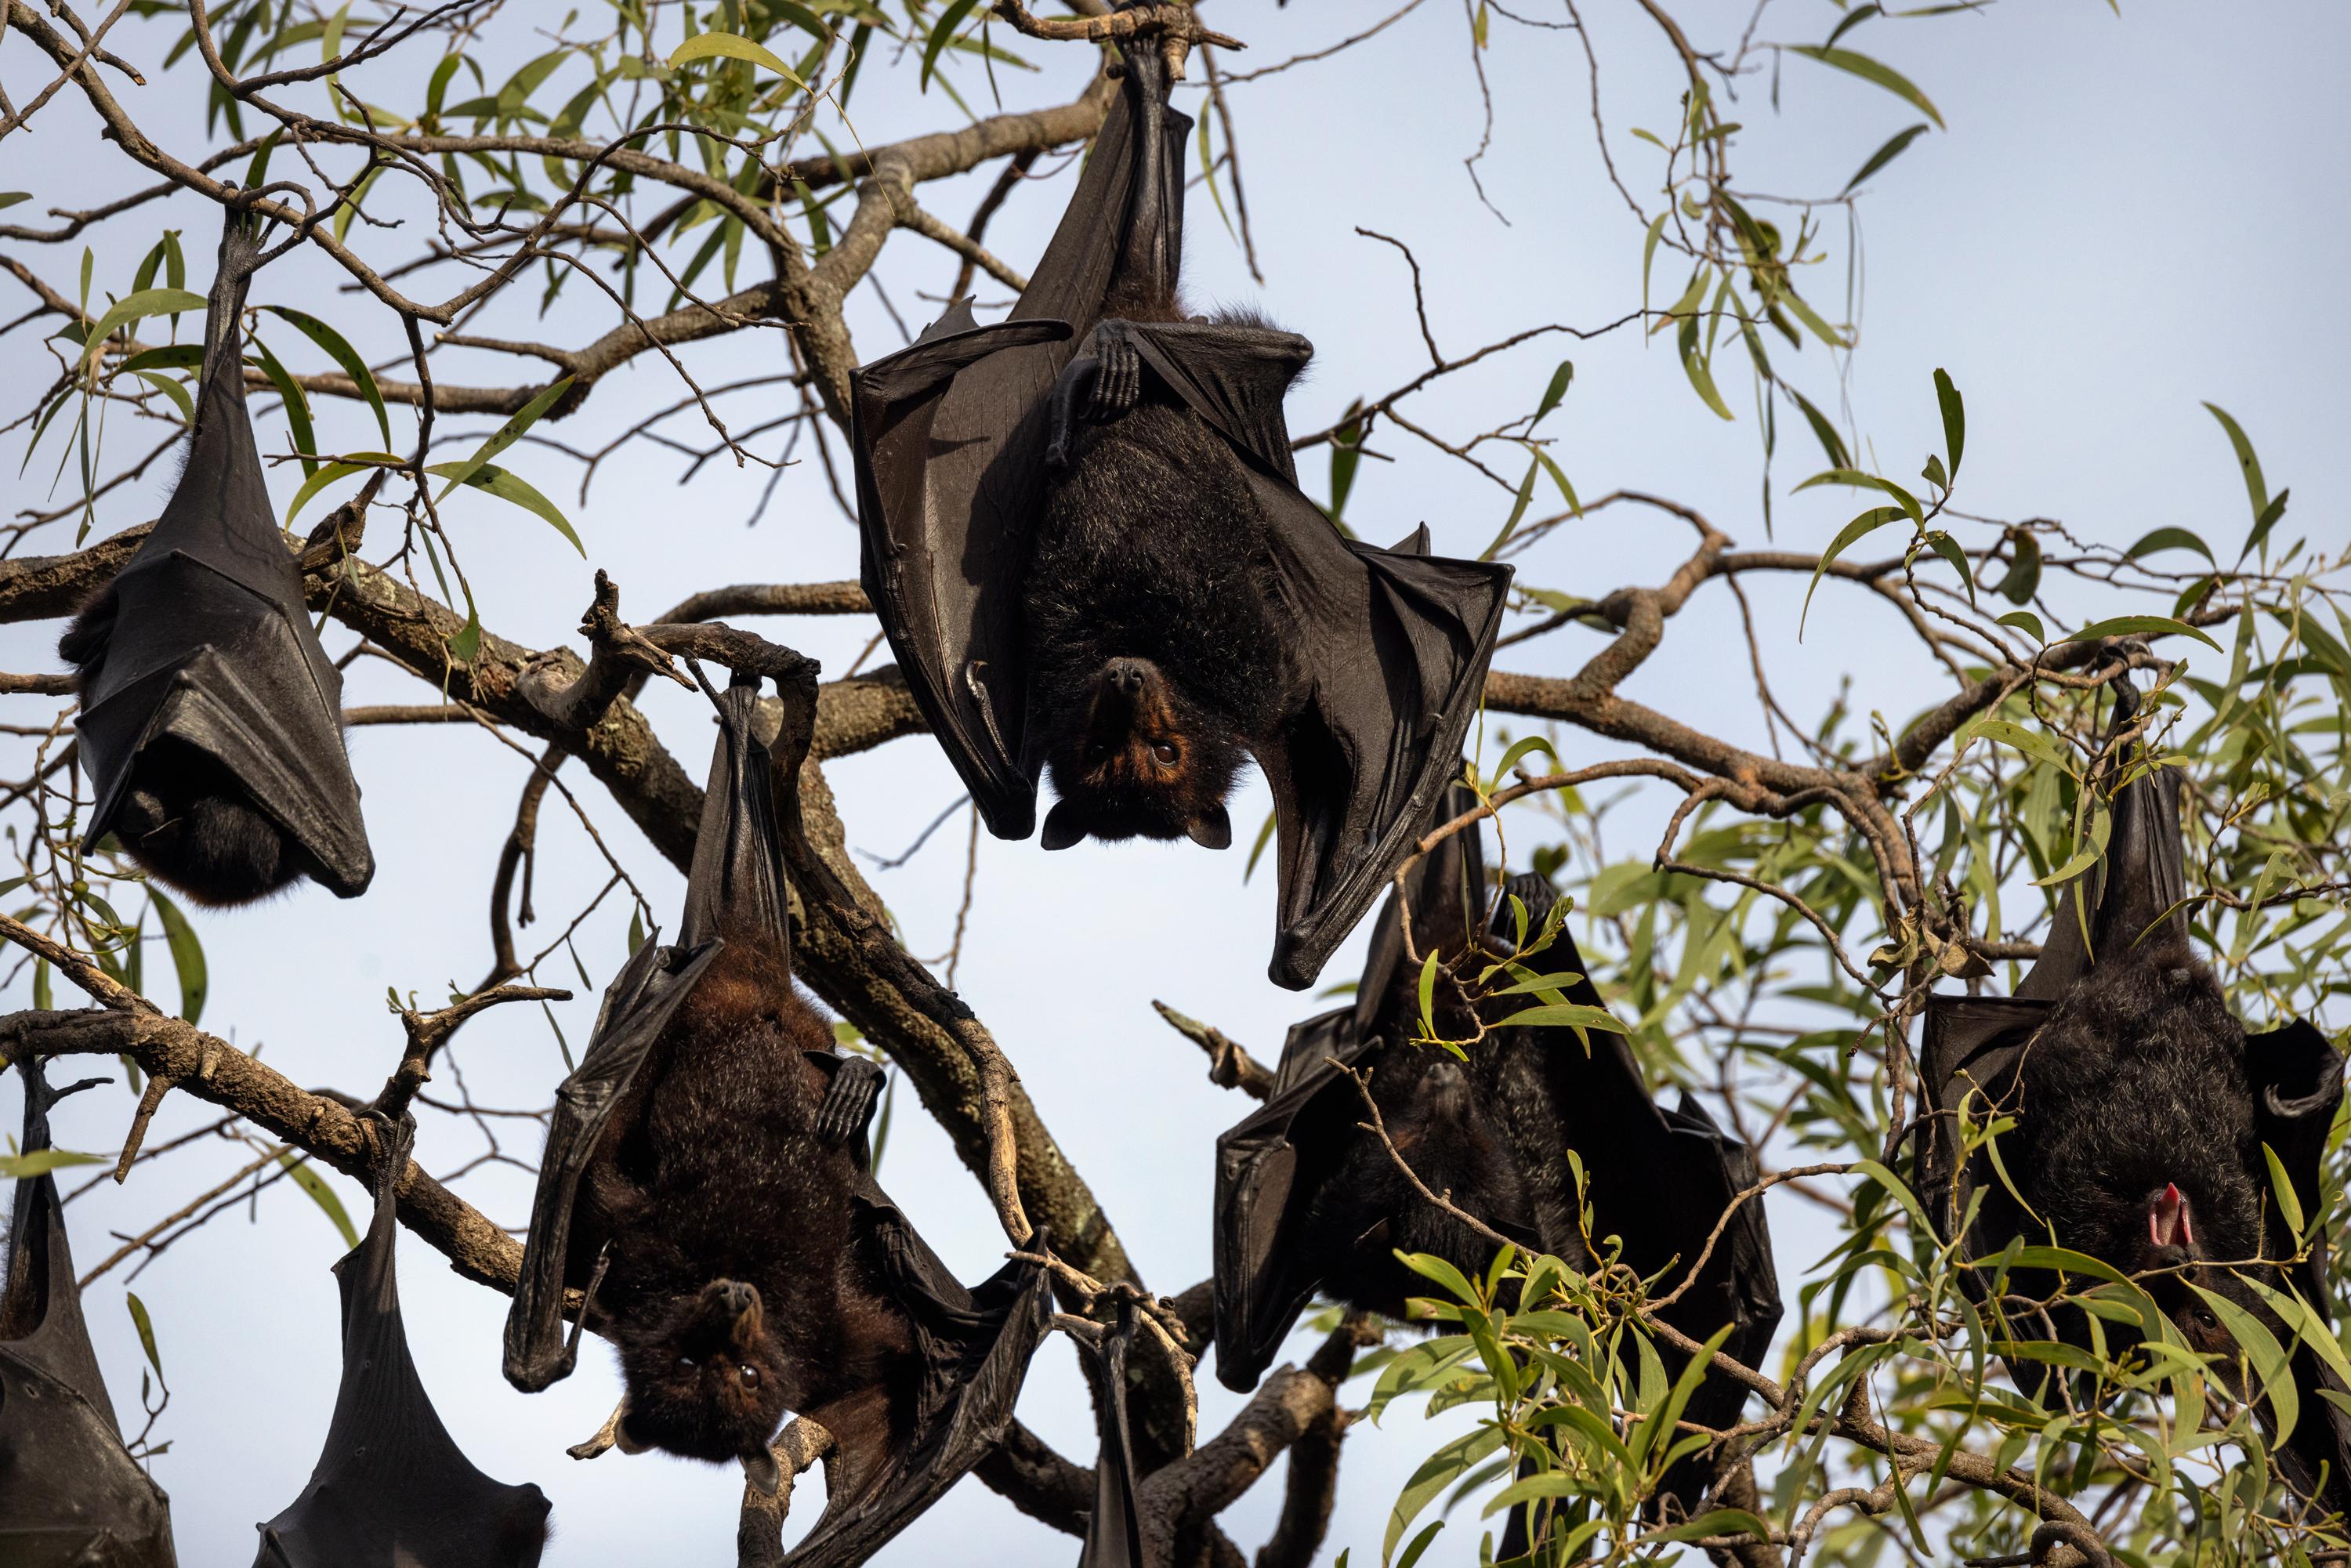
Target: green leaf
2264, 523
1873, 71
1435, 1474
1869, 522
2142, 626
505, 436
941, 36
10, 198
508, 485
2033, 743
2071, 869
170, 387
2027, 622
339, 349
2268, 1358
2256, 488
187, 953
1568, 1015
1557, 390
737, 47
146, 1327
1856, 477
1822, 431
1700, 373
2167, 538
1948, 549
2289, 1203
298, 405
1894, 147
2024, 578
41, 1161
330, 472
298, 1166
1428, 994
1955, 418
134, 307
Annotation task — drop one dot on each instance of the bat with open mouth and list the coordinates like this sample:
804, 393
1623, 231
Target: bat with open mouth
391, 1489
706, 1183
2142, 1107
1084, 536
1308, 1201
70, 1494
211, 721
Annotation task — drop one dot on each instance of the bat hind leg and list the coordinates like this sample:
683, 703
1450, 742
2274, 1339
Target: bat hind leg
190, 823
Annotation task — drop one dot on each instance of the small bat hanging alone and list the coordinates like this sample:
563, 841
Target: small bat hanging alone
70, 1494
1308, 1200
211, 721
706, 1183
2143, 1108
392, 1489
1084, 536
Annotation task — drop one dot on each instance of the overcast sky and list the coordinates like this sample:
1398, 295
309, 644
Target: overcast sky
2126, 215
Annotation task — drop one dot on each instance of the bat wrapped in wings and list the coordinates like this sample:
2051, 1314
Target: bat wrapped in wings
1307, 1200
70, 1494
211, 721
1084, 537
391, 1489
706, 1185
2142, 1108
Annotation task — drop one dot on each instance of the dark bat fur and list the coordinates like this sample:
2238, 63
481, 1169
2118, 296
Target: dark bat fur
1111, 587
2143, 1065
720, 1263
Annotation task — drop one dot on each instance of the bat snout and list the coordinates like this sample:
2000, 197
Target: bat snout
2171, 1222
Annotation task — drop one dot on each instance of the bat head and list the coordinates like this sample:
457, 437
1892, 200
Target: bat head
707, 1382
1143, 760
188, 821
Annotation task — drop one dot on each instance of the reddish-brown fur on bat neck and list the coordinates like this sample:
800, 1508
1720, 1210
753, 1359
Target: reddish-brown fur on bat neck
1142, 761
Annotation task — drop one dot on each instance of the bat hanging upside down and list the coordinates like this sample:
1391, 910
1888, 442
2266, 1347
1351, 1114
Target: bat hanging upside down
706, 1183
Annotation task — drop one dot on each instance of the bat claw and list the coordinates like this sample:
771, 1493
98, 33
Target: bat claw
849, 1100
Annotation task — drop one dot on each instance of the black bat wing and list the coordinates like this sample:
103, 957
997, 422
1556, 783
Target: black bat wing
2297, 1081
211, 644
73, 1494
391, 1489
948, 439
2139, 882
975, 1346
735, 888
1114, 1528
1390, 644
1271, 1165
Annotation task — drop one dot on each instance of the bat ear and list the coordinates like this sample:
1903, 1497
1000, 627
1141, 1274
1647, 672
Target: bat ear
762, 1471
1062, 827
1212, 829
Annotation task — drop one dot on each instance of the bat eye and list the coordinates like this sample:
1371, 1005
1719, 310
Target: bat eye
751, 1377
685, 1364
1166, 752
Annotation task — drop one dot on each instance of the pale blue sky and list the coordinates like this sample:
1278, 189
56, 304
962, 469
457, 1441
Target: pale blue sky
2127, 217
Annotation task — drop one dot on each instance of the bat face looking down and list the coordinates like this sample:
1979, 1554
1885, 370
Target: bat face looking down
1142, 761
707, 1382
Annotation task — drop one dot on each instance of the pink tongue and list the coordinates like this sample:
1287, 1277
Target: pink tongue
2167, 1223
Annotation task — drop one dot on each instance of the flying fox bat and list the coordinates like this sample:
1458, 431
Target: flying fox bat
392, 1489
1308, 1201
1084, 536
211, 721
706, 1183
70, 1494
1114, 1528
2142, 1107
